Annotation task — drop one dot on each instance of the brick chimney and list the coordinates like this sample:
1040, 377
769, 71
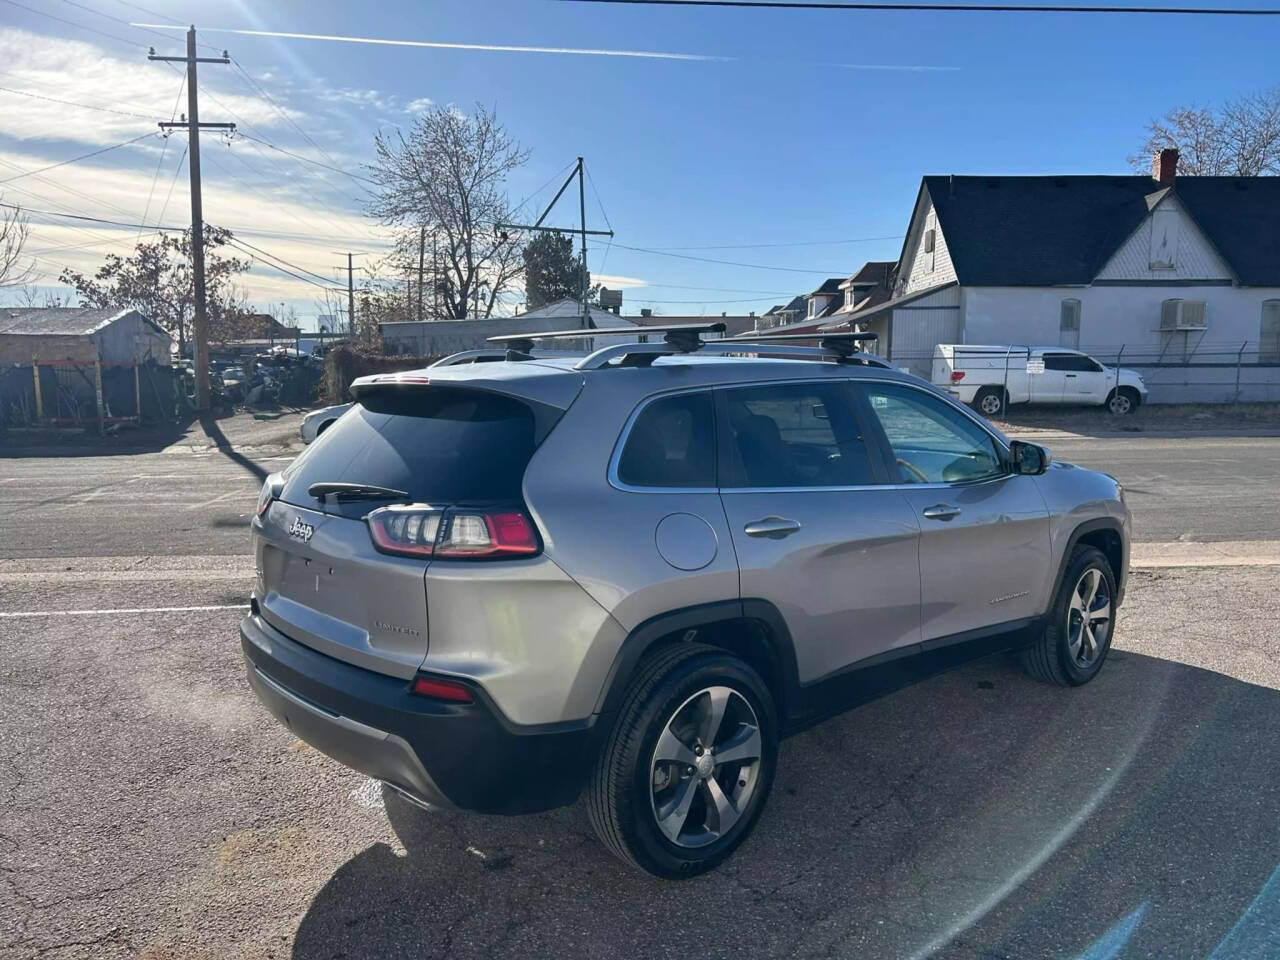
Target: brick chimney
1164, 166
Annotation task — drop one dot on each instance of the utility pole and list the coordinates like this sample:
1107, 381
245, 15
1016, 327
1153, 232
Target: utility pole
422, 252
435, 280
579, 171
351, 298
200, 326
582, 213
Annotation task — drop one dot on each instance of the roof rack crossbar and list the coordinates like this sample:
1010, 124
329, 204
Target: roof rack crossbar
683, 337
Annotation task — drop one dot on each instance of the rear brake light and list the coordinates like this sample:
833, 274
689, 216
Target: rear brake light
417, 530
957, 376
440, 689
270, 490
487, 534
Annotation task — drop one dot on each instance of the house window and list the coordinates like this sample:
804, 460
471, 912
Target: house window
813, 306
930, 238
1269, 333
1069, 324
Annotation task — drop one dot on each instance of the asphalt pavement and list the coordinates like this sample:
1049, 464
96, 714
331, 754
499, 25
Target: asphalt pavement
153, 809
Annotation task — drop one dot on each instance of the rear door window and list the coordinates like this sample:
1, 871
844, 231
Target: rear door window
671, 444
440, 445
793, 435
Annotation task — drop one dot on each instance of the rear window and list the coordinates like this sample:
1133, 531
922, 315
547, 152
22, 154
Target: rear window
439, 445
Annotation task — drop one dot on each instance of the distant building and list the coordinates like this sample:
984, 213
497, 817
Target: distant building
436, 338
1161, 271
81, 334
263, 326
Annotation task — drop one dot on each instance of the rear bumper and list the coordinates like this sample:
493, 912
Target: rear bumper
458, 755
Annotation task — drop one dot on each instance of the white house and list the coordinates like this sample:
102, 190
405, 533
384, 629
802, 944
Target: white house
1179, 277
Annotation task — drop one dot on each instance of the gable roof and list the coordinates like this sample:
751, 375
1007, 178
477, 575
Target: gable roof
57, 321
872, 272
829, 286
1045, 231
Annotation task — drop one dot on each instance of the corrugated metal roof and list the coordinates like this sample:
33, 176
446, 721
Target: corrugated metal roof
56, 321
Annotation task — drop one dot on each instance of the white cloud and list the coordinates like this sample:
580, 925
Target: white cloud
359, 98
139, 91
615, 282
420, 105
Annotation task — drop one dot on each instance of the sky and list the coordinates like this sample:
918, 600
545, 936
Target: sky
790, 142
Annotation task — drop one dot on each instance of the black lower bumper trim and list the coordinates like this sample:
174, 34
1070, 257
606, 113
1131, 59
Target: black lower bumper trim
474, 757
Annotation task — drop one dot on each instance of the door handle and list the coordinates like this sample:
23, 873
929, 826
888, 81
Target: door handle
1070, 376
941, 511
775, 528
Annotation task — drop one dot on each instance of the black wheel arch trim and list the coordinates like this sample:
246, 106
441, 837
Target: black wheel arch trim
643, 638
1082, 529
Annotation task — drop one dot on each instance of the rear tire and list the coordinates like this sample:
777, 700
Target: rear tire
659, 799
1123, 401
990, 401
1077, 638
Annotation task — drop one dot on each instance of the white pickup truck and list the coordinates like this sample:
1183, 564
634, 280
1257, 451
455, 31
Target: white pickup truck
992, 377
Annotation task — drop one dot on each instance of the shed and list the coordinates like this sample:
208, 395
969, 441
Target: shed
81, 334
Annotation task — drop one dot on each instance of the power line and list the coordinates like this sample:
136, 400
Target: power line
159, 163
83, 156
295, 266
72, 23
81, 216
298, 156
288, 119
864, 5
107, 16
795, 243
73, 103
269, 262
176, 171
730, 263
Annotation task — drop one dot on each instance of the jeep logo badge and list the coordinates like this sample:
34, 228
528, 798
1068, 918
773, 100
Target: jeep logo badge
300, 530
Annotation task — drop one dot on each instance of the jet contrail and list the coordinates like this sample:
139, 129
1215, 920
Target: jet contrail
508, 48
493, 47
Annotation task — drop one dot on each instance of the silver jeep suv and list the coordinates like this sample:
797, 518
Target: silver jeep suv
498, 585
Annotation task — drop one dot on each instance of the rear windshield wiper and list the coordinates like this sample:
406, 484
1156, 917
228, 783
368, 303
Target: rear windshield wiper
356, 491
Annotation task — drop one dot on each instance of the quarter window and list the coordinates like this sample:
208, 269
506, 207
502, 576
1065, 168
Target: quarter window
1072, 362
793, 435
931, 441
671, 444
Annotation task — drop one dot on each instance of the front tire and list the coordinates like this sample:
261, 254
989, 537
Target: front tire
689, 762
1123, 401
990, 401
1076, 640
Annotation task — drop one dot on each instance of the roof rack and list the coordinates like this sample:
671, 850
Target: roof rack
843, 344
681, 337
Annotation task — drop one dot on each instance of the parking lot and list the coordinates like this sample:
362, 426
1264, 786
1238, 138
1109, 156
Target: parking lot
153, 809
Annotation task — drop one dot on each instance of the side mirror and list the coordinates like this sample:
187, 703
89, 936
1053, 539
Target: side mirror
1029, 458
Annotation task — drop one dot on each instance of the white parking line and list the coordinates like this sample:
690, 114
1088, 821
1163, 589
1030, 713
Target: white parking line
104, 613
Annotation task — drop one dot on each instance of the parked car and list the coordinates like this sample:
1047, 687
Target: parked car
318, 421
990, 378
494, 586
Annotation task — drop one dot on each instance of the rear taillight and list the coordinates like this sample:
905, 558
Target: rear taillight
957, 376
438, 688
417, 530
270, 490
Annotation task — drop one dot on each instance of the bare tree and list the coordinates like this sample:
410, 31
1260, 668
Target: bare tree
1241, 138
446, 176
14, 270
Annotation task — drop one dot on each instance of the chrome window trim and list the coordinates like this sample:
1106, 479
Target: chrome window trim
625, 433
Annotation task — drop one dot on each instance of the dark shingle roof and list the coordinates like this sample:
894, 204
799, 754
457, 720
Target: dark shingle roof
55, 321
1041, 231
829, 286
873, 271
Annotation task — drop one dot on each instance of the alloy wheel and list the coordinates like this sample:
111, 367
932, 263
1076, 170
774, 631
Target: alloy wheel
705, 767
1120, 404
990, 404
1089, 618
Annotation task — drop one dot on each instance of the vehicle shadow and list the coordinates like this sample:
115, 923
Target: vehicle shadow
974, 814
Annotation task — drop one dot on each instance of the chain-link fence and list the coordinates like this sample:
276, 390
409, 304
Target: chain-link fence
1180, 370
